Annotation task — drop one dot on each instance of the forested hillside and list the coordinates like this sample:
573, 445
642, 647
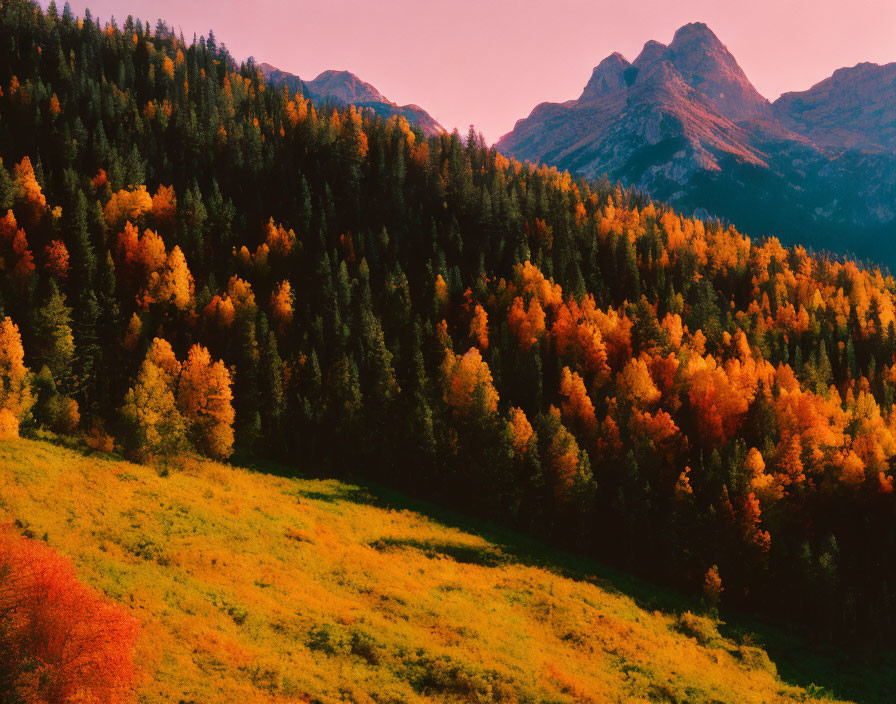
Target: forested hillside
193, 260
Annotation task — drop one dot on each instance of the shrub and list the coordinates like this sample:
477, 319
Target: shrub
61, 641
757, 659
97, 439
700, 628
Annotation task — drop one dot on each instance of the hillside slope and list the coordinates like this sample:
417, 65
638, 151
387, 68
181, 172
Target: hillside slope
255, 587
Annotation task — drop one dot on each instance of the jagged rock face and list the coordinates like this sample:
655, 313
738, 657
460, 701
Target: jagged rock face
345, 88
705, 64
669, 94
854, 108
684, 123
695, 59
608, 77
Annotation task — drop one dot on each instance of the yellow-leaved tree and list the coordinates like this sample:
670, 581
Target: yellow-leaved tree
155, 426
15, 392
171, 403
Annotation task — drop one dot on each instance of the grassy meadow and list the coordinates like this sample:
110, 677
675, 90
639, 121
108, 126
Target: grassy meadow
254, 587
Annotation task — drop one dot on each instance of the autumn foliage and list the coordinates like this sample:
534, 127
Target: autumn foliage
16, 398
173, 402
204, 397
211, 263
60, 641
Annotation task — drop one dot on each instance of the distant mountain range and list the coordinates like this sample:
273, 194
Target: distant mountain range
344, 88
684, 123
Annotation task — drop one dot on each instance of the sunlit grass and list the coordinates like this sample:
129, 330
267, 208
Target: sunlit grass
251, 587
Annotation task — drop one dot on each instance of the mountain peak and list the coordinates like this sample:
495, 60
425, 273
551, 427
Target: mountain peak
652, 51
346, 87
608, 77
705, 64
694, 32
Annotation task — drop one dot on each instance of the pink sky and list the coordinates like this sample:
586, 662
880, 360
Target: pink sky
489, 62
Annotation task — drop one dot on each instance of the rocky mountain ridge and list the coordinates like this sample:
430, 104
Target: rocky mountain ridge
683, 122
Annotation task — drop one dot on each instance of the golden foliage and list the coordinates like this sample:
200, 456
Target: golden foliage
282, 301
127, 205
29, 190
577, 408
520, 431
15, 390
635, 383
526, 324
468, 383
221, 311
279, 241
173, 283
164, 206
205, 399
150, 413
241, 295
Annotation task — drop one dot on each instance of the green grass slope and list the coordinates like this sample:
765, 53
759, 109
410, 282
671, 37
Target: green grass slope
252, 587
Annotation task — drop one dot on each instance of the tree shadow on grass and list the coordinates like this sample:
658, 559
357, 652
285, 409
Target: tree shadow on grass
483, 556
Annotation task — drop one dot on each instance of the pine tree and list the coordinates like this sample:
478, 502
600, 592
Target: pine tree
54, 343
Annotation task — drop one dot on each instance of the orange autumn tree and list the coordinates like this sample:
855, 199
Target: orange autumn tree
526, 323
56, 261
60, 641
567, 468
468, 387
282, 300
240, 293
15, 391
479, 327
171, 283
164, 207
137, 256
278, 239
577, 408
15, 255
521, 432
220, 311
635, 384
205, 399
577, 336
29, 192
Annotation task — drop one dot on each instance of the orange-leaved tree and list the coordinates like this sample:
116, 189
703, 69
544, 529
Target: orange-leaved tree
468, 383
205, 399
